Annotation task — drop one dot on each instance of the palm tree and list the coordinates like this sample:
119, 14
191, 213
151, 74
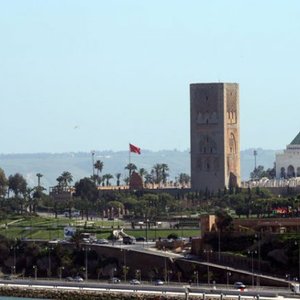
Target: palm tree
164, 169
131, 167
107, 177
67, 178
157, 170
143, 173
99, 166
148, 179
184, 179
118, 176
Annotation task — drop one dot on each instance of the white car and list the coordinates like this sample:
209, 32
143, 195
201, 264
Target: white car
158, 282
78, 279
134, 282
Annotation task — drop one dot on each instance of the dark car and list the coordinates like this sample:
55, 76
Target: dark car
102, 242
129, 240
140, 239
114, 280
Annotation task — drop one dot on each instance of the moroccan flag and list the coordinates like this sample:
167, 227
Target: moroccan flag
134, 149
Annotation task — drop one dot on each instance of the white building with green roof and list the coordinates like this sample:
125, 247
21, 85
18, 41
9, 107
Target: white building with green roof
288, 162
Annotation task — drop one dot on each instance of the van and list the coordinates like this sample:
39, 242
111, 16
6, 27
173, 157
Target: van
129, 240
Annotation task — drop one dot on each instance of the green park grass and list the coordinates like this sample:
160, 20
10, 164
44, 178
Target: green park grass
52, 228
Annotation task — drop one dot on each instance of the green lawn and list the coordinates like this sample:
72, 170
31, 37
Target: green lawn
51, 228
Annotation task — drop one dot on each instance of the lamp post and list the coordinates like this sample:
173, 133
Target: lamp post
196, 273
125, 268
138, 275
258, 238
60, 269
86, 249
252, 264
207, 259
13, 268
93, 162
298, 243
227, 278
169, 273
49, 260
255, 154
147, 222
35, 272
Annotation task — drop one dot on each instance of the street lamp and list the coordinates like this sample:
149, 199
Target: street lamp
60, 269
49, 260
147, 222
35, 272
13, 268
207, 259
227, 278
93, 162
86, 249
258, 238
252, 264
125, 268
197, 277
298, 243
165, 263
138, 275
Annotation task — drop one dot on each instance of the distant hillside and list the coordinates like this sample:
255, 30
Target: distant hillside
80, 164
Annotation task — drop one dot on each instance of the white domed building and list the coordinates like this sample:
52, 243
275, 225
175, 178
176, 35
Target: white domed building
288, 162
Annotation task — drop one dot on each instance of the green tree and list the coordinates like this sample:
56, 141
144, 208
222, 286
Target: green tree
118, 176
224, 220
18, 185
157, 172
142, 173
164, 174
184, 179
99, 167
3, 184
87, 191
67, 178
131, 167
107, 178
260, 172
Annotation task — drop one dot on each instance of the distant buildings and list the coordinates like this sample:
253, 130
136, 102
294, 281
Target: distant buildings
288, 162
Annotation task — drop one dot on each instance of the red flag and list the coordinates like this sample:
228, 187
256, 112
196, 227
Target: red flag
134, 149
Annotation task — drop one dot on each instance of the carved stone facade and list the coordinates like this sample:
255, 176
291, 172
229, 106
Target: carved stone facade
215, 136
288, 162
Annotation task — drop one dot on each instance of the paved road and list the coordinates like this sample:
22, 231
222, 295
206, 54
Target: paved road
263, 292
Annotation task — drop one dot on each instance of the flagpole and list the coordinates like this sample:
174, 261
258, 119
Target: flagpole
129, 162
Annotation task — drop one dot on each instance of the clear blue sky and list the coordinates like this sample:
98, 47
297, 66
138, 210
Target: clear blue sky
83, 75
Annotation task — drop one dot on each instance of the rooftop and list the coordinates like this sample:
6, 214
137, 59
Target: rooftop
296, 140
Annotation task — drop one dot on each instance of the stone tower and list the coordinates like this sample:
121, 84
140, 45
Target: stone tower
215, 136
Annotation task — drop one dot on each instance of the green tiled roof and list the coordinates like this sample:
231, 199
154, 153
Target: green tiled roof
296, 140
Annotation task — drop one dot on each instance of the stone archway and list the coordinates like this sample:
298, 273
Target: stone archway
282, 173
298, 172
290, 171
